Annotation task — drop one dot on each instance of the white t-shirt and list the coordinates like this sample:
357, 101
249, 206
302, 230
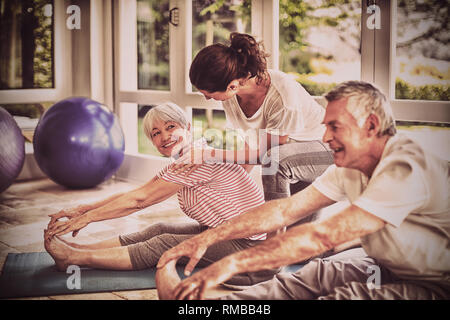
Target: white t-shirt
409, 189
287, 109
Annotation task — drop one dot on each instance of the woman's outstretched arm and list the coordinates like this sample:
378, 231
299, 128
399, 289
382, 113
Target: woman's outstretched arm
153, 192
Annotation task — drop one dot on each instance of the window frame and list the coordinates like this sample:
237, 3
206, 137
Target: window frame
61, 67
110, 74
377, 49
405, 110
264, 25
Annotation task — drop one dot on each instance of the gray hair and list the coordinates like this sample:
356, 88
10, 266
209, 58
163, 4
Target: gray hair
365, 99
167, 111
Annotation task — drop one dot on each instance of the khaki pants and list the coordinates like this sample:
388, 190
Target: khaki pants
340, 280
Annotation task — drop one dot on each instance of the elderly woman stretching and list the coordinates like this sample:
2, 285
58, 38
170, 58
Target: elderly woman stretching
211, 195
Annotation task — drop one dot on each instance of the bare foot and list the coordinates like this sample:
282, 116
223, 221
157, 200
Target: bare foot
73, 244
59, 251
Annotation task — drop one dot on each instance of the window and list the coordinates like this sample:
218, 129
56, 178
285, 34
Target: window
422, 50
34, 54
27, 116
26, 53
320, 42
417, 70
318, 65
399, 48
211, 125
213, 21
433, 136
153, 44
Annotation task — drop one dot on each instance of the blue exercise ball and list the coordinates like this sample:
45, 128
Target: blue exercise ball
12, 150
78, 143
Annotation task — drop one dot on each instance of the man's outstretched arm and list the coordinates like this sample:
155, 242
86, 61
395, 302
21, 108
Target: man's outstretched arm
269, 217
297, 244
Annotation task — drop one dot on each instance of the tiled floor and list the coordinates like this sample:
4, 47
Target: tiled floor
24, 209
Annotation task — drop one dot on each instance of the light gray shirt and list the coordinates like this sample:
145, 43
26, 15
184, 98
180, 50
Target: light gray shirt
409, 189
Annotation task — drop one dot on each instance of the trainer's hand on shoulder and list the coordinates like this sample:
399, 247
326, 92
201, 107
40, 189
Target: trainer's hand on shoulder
191, 159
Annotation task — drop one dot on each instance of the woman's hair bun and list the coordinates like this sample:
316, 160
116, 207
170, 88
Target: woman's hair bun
250, 53
215, 66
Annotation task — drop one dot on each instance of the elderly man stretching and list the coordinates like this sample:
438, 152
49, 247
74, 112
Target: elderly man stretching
399, 197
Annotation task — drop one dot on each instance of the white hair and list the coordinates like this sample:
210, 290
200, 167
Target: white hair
365, 99
167, 111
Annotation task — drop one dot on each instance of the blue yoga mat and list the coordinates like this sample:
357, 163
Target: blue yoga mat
35, 275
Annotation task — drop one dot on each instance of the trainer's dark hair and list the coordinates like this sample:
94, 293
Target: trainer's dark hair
215, 66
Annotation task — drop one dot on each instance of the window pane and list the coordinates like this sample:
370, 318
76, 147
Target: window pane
211, 125
422, 62
27, 116
26, 50
434, 137
320, 42
153, 44
213, 21
145, 146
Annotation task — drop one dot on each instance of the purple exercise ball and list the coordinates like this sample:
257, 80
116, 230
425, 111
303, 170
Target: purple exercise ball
78, 143
12, 150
